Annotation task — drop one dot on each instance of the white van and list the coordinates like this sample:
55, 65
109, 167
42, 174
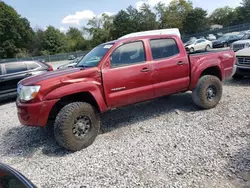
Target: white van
173, 31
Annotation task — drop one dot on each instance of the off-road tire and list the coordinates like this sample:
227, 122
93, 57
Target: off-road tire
199, 94
63, 128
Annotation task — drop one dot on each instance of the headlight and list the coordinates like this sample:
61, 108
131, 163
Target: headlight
247, 45
27, 93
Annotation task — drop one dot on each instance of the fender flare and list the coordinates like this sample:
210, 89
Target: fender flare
80, 87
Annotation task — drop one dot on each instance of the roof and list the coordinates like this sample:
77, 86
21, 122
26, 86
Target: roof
138, 38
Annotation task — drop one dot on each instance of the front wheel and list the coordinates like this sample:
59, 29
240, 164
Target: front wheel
191, 50
76, 126
208, 92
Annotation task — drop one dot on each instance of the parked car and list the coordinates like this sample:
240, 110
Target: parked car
11, 178
115, 74
244, 42
71, 64
12, 73
199, 44
211, 37
72, 57
243, 63
225, 41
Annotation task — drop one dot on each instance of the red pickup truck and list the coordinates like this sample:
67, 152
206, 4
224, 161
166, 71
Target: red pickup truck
116, 74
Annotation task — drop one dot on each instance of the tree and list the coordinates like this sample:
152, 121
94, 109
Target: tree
75, 39
15, 32
99, 28
148, 18
224, 16
195, 21
54, 41
173, 15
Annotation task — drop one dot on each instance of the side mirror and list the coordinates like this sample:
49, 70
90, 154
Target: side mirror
11, 178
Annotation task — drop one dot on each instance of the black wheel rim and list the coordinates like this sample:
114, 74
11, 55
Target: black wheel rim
82, 126
211, 92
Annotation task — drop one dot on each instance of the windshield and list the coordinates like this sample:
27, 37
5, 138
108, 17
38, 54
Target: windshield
223, 38
246, 36
93, 58
190, 42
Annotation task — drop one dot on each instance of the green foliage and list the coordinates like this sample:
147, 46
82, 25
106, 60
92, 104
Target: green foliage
75, 40
15, 31
195, 21
224, 16
17, 39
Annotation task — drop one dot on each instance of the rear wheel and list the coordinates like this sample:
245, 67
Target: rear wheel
208, 92
225, 45
208, 47
76, 126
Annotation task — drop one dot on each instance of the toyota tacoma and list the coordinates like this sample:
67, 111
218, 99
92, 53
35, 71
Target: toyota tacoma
116, 74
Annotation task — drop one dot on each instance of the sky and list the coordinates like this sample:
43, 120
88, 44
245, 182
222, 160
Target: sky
65, 13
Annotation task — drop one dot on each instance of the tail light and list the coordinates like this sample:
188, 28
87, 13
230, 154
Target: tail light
50, 67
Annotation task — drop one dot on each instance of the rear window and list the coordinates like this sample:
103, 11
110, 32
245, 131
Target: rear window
15, 67
33, 65
163, 48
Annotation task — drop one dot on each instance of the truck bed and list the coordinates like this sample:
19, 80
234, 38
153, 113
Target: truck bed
199, 52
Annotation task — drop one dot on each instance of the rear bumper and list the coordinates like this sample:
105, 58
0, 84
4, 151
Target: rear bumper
34, 114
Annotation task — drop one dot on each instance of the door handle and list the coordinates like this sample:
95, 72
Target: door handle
145, 70
180, 63
29, 74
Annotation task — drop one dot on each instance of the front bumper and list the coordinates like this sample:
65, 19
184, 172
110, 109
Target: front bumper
242, 70
34, 114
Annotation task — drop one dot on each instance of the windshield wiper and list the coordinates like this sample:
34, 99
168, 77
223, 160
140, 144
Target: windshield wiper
84, 66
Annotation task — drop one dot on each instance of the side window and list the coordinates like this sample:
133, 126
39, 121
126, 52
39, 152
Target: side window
128, 54
15, 67
163, 48
32, 65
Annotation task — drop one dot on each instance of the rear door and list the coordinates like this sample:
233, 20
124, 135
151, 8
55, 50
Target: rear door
201, 44
171, 66
36, 68
128, 78
13, 73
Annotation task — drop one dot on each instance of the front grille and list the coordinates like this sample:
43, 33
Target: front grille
244, 61
237, 47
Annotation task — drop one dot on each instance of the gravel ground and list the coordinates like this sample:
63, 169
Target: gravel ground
167, 142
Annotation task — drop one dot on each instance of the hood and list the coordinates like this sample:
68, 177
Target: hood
243, 52
218, 41
242, 41
58, 76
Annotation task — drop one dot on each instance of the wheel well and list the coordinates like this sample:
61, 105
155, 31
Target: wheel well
215, 71
78, 97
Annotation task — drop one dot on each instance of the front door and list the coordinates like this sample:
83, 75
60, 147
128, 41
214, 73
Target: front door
171, 66
128, 78
12, 74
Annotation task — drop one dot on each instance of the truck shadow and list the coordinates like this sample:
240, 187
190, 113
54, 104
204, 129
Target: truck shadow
238, 83
27, 141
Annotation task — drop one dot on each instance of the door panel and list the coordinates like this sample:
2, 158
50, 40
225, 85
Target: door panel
13, 73
171, 68
128, 78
